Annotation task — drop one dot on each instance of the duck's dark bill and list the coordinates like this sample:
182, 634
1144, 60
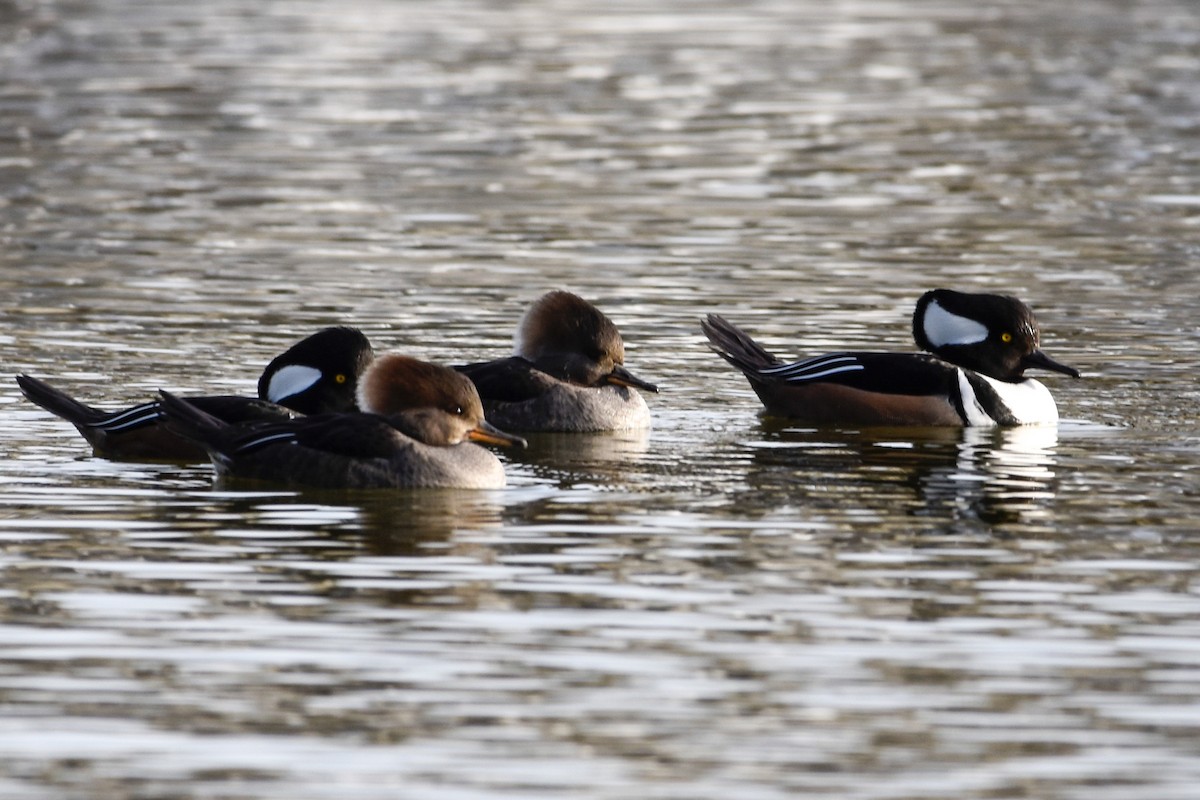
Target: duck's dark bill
623, 377
1039, 359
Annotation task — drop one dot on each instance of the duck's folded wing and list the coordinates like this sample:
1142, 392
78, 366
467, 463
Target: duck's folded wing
886, 373
507, 380
233, 409
352, 434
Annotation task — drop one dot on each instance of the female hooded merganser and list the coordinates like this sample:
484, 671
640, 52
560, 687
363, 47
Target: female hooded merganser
317, 374
979, 348
567, 374
415, 431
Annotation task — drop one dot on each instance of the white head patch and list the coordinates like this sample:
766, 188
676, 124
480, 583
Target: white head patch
943, 328
292, 379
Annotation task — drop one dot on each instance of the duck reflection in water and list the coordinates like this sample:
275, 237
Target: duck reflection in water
331, 540
393, 522
599, 459
991, 475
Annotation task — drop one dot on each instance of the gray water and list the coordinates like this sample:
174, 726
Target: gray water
719, 607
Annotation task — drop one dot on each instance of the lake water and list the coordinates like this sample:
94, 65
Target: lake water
719, 607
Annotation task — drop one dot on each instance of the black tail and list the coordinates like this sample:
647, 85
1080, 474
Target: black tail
59, 403
735, 346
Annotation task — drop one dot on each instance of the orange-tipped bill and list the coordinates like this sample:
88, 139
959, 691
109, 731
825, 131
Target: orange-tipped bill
623, 377
487, 433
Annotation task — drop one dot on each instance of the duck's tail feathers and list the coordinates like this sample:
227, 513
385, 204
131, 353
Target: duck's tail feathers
58, 402
735, 346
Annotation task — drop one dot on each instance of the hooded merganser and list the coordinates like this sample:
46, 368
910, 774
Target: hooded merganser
979, 346
415, 431
567, 374
317, 374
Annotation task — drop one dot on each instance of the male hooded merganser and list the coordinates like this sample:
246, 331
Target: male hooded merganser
415, 431
979, 346
317, 374
567, 374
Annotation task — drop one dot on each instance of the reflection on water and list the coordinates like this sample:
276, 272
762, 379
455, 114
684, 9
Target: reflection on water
597, 460
992, 475
1004, 475
716, 607
393, 522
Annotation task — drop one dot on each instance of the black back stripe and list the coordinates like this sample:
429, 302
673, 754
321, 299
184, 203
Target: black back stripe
958, 401
990, 401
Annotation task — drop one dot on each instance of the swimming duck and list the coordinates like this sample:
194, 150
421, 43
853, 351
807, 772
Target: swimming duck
416, 430
567, 373
317, 374
973, 373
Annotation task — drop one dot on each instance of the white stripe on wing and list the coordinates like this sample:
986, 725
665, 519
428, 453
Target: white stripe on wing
814, 368
285, 436
130, 418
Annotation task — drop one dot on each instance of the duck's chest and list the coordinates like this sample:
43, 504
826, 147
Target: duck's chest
572, 409
986, 401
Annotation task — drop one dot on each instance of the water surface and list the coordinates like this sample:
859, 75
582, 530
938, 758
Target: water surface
721, 606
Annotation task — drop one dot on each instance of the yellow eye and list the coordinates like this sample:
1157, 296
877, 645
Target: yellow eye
1006, 337
340, 378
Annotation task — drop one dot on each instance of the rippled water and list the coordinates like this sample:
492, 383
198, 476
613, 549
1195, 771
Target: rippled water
719, 607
